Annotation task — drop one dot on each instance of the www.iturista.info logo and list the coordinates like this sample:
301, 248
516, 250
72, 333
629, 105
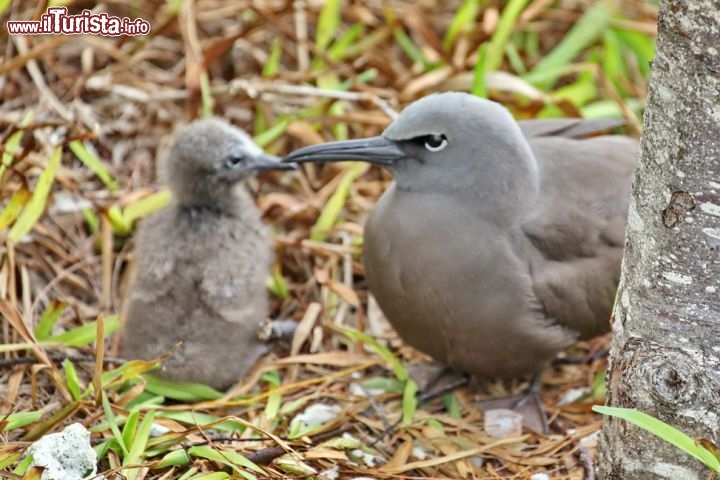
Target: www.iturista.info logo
57, 21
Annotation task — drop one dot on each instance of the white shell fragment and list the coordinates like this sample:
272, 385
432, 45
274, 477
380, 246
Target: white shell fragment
66, 455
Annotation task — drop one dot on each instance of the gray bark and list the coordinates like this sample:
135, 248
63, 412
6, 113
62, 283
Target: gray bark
665, 356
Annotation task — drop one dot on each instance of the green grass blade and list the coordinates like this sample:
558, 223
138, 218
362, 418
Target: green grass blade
666, 432
206, 94
340, 48
463, 21
274, 400
13, 143
184, 392
641, 45
175, 458
336, 202
138, 446
36, 206
86, 334
479, 86
204, 419
409, 401
276, 284
227, 457
48, 318
117, 220
272, 65
146, 206
502, 33
273, 133
112, 422
86, 156
19, 420
128, 431
328, 23
72, 380
588, 29
14, 207
397, 367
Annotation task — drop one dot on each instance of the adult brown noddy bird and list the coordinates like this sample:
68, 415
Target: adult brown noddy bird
498, 244
203, 261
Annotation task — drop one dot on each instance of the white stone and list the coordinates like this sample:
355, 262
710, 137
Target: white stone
66, 455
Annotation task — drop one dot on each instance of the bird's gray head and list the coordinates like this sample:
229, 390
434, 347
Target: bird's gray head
447, 141
208, 157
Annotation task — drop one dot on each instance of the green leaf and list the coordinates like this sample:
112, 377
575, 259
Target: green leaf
48, 319
588, 29
206, 94
274, 400
72, 380
480, 70
112, 422
328, 23
272, 65
340, 48
273, 133
138, 446
463, 21
203, 420
452, 405
36, 206
397, 367
336, 202
184, 392
120, 226
13, 143
500, 36
20, 419
276, 283
14, 207
227, 457
409, 401
128, 431
176, 458
86, 156
86, 334
666, 432
146, 206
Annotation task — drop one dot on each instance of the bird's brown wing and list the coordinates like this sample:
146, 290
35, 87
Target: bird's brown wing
577, 229
567, 127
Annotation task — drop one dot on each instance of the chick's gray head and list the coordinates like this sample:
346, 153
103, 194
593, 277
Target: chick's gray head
208, 157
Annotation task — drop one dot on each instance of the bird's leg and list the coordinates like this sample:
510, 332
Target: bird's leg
435, 380
527, 404
278, 329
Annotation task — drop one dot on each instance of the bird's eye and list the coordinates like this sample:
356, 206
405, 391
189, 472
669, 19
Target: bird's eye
233, 161
435, 143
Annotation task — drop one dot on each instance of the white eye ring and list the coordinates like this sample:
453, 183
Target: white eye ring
436, 148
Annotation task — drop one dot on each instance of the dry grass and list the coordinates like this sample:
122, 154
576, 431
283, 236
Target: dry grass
293, 73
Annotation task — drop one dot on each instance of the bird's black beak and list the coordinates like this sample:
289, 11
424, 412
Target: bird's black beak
265, 161
377, 150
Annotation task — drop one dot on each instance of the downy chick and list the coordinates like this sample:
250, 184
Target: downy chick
203, 261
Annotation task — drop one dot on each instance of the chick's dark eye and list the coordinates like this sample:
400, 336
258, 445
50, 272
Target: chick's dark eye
435, 143
233, 161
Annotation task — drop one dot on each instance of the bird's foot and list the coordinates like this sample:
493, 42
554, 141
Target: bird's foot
527, 404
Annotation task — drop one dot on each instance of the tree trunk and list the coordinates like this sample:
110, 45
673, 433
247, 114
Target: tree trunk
665, 356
